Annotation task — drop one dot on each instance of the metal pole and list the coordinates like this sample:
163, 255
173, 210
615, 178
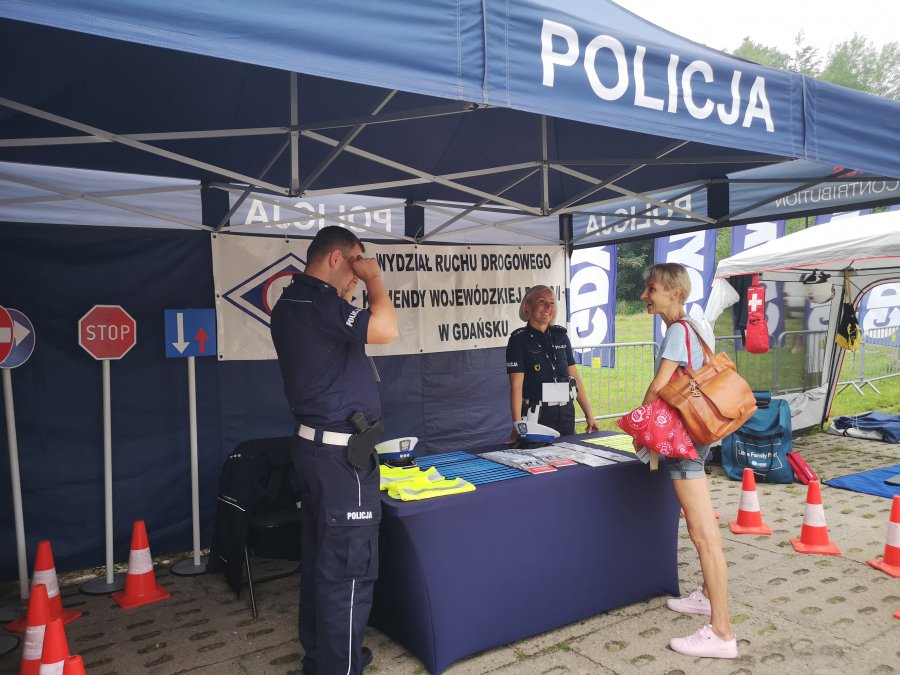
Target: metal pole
198, 564
16, 483
107, 472
101, 586
195, 481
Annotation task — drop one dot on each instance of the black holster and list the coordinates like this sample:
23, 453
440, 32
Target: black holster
363, 442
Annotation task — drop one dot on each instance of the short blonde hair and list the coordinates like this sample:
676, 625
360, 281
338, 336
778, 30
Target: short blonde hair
671, 276
529, 299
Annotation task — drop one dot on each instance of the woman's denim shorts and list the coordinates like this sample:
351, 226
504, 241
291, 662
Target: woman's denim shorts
680, 469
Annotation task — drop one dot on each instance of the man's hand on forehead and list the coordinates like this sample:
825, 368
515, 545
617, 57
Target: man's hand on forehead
366, 268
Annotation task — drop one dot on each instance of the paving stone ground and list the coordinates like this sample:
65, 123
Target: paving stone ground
792, 613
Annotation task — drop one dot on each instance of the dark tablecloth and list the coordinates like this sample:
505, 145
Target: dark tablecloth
463, 573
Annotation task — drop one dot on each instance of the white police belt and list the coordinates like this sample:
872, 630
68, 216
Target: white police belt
328, 437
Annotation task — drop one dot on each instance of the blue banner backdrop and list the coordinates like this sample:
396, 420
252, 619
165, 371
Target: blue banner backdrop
697, 252
592, 303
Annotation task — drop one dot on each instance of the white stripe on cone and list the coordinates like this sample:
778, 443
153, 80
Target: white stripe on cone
34, 642
139, 561
814, 515
48, 578
749, 501
893, 535
53, 668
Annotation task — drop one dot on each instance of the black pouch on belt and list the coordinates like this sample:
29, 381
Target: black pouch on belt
361, 444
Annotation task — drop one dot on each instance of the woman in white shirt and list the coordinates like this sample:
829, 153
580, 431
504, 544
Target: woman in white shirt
665, 292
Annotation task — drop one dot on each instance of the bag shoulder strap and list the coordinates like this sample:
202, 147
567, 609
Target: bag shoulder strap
687, 342
707, 352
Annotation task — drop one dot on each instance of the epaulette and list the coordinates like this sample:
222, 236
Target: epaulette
559, 328
518, 331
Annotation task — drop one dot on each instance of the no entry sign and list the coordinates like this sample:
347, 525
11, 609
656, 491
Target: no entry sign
107, 332
6, 334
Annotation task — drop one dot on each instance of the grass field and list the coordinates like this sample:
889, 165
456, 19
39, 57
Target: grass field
614, 391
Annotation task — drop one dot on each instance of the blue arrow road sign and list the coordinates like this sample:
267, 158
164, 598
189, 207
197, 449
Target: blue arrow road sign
23, 340
190, 332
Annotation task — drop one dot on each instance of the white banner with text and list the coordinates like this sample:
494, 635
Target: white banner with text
448, 298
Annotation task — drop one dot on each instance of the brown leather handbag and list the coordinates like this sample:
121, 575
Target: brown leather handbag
714, 400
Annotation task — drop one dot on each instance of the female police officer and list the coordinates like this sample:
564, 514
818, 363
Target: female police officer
539, 356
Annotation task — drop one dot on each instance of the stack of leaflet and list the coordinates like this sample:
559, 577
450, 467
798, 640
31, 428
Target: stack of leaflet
526, 460
592, 456
562, 453
472, 468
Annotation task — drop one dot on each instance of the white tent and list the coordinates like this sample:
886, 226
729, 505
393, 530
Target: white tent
867, 247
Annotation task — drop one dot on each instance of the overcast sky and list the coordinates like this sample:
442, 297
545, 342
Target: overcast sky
723, 24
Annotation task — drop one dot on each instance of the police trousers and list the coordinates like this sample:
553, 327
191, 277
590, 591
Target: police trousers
340, 515
559, 417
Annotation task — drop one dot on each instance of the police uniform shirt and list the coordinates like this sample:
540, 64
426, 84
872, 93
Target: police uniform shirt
320, 339
539, 356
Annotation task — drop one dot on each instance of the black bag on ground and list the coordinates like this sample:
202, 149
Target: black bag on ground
761, 444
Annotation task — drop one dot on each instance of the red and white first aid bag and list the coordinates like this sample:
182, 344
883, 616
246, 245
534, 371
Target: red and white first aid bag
757, 339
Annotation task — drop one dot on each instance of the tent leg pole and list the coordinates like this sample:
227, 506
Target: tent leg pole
16, 482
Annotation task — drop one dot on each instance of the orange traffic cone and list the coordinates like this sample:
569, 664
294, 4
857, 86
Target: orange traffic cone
140, 583
897, 614
56, 648
74, 666
890, 563
35, 624
814, 533
749, 519
45, 573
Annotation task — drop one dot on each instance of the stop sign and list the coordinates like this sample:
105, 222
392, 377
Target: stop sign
107, 332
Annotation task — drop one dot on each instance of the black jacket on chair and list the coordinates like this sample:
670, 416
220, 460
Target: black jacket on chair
257, 477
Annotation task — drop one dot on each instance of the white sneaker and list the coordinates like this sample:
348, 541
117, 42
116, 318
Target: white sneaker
695, 603
705, 643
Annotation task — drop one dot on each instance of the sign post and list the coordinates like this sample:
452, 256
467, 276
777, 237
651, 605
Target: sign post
106, 332
16, 345
191, 333
17, 332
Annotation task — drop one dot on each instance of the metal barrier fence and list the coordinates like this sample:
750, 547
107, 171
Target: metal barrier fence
799, 360
878, 358
756, 370
794, 364
619, 389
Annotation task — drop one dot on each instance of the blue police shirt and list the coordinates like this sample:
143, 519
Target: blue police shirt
542, 357
320, 339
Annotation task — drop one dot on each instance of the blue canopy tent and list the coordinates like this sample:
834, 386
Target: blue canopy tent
535, 108
527, 111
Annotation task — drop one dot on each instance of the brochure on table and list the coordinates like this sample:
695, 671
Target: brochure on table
561, 454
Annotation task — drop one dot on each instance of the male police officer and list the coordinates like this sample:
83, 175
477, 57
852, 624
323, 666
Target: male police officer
320, 338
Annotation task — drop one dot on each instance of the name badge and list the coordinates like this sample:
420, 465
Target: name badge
555, 392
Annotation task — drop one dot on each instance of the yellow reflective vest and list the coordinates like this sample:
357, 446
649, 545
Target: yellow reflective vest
417, 488
394, 474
